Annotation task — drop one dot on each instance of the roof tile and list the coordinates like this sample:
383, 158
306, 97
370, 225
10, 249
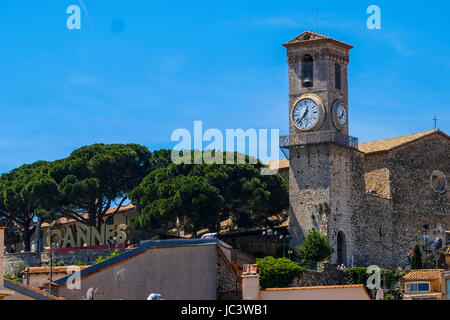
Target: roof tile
423, 274
392, 143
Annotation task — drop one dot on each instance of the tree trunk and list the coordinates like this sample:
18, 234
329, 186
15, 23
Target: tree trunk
26, 239
92, 220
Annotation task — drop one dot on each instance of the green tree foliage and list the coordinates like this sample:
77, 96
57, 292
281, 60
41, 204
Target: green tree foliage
203, 195
416, 258
277, 273
359, 275
24, 193
315, 248
95, 178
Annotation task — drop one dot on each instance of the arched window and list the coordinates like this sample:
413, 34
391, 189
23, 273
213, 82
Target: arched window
337, 75
307, 71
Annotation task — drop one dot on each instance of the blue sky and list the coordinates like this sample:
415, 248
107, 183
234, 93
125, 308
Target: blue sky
139, 69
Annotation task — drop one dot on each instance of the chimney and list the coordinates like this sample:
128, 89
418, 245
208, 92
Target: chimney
250, 282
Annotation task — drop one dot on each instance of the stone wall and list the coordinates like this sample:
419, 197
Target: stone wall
414, 201
377, 175
13, 260
326, 275
373, 233
226, 276
391, 222
326, 187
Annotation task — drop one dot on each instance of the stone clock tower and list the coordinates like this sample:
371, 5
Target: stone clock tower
323, 184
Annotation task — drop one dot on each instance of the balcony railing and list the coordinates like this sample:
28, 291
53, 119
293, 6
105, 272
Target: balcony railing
318, 137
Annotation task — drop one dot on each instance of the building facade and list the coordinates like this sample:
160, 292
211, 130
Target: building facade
194, 269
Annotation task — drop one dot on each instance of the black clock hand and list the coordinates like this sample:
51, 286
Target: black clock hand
304, 114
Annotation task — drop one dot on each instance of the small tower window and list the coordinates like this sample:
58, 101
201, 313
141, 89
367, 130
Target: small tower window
337, 75
307, 71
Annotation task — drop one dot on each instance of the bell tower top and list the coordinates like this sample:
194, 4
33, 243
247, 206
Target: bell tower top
318, 84
309, 37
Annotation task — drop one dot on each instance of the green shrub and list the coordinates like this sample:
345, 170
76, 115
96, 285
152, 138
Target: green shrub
59, 264
315, 248
13, 277
80, 263
389, 296
113, 254
277, 273
99, 260
18, 269
359, 275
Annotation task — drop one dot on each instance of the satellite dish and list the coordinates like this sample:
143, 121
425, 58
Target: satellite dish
154, 296
90, 294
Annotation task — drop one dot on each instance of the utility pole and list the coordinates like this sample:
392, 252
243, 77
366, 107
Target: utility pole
51, 263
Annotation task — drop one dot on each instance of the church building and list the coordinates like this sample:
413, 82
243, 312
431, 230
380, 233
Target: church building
376, 200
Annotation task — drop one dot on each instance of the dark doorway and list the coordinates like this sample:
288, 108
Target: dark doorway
341, 248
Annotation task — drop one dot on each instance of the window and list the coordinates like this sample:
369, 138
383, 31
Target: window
438, 181
307, 71
337, 75
418, 287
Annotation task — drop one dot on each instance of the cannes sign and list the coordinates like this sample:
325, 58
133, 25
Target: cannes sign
77, 236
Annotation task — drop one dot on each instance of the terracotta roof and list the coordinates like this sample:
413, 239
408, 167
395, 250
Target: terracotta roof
393, 143
65, 220
282, 164
318, 287
30, 291
309, 36
60, 269
236, 268
423, 274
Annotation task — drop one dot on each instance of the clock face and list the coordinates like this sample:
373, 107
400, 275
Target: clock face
306, 114
339, 114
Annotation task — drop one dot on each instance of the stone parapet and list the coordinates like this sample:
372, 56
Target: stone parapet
318, 137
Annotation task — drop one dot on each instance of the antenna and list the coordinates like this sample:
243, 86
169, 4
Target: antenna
435, 119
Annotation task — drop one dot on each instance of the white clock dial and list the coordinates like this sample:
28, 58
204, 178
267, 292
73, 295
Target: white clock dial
306, 114
339, 114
